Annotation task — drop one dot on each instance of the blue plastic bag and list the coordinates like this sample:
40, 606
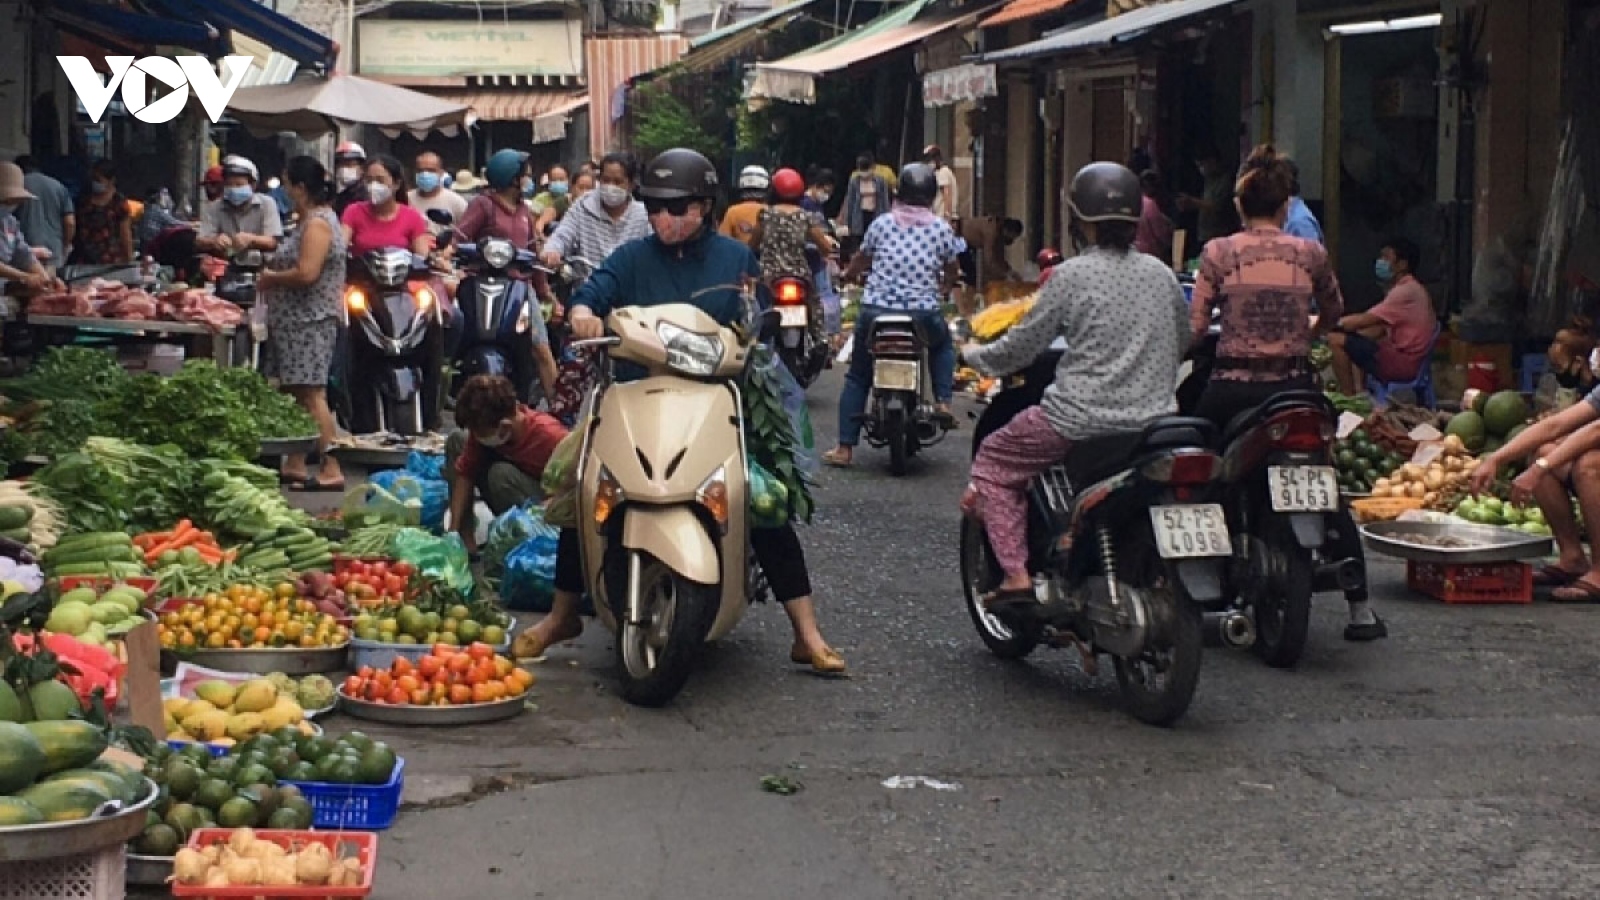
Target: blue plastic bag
426, 465
530, 573
506, 533
794, 403
432, 493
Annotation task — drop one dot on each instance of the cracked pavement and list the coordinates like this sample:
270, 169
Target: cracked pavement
1452, 760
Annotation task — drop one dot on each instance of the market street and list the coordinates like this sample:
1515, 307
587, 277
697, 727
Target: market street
1451, 760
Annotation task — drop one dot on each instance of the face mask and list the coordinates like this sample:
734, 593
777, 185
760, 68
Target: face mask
349, 176
558, 188
379, 193
100, 187
428, 182
824, 196
238, 195
529, 188
499, 439
1383, 270
613, 195
677, 229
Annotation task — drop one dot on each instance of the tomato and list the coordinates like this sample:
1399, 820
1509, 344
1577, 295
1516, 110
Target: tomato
479, 675
480, 650
460, 694
398, 697
502, 667
440, 692
402, 568
443, 651
429, 666
481, 694
352, 685
402, 666
420, 697
395, 585
460, 663
365, 672
408, 683
372, 691
383, 680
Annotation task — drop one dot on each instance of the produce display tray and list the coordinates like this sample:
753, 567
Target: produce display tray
359, 844
470, 714
55, 839
368, 807
1498, 544
288, 660
372, 458
149, 871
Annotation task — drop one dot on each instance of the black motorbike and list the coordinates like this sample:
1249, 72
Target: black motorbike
392, 310
1123, 556
900, 411
797, 302
238, 283
498, 310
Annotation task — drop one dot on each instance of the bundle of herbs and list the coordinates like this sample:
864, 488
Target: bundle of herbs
770, 434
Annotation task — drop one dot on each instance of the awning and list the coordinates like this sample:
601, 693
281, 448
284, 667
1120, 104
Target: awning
715, 48
1022, 10
1111, 32
250, 17
119, 28
552, 126
315, 106
793, 78
959, 84
517, 105
727, 31
269, 66
610, 62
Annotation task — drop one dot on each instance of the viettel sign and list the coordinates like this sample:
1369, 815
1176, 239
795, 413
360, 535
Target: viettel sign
133, 77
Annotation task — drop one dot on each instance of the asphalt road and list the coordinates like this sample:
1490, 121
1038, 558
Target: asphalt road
1454, 759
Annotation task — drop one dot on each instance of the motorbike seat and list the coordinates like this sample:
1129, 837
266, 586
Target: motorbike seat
1249, 418
1101, 457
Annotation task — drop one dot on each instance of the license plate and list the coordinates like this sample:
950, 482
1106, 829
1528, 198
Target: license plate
894, 375
792, 316
1303, 488
1190, 532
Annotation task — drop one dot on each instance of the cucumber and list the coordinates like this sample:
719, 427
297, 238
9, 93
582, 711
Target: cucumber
323, 556
94, 539
115, 569
110, 554
22, 534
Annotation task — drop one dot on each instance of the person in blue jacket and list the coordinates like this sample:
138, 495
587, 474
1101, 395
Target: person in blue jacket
685, 255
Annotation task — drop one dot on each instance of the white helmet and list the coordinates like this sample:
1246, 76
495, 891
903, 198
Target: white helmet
238, 165
754, 178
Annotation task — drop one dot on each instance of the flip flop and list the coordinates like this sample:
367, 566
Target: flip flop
832, 458
286, 479
312, 486
1554, 576
994, 600
1579, 591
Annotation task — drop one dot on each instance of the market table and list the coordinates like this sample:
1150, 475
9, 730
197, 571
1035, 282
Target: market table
222, 350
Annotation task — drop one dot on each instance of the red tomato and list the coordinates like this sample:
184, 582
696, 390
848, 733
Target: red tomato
373, 691
379, 569
480, 650
403, 569
395, 585
398, 696
352, 685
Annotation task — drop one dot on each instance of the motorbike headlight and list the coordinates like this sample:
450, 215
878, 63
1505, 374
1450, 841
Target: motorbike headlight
689, 353
498, 253
607, 497
424, 299
356, 300
713, 495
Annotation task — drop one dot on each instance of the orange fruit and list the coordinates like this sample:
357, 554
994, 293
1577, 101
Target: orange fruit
460, 694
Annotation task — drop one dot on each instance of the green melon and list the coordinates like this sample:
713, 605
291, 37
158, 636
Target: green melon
68, 745
22, 757
65, 801
1504, 411
1469, 427
53, 701
11, 709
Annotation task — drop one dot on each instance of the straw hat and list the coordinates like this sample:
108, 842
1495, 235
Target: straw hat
11, 189
466, 181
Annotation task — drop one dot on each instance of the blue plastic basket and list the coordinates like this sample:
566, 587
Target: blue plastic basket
368, 807
213, 749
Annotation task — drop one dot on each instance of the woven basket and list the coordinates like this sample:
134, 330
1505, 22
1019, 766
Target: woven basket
1382, 509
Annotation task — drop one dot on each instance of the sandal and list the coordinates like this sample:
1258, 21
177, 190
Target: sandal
995, 600
838, 460
1554, 576
311, 484
1579, 591
529, 645
826, 661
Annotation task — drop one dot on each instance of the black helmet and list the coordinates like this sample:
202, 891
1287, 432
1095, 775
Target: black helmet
679, 173
1106, 192
918, 185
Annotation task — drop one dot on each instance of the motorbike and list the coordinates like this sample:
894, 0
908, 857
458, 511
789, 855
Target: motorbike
1124, 558
794, 298
663, 493
900, 410
237, 283
1281, 493
497, 310
392, 312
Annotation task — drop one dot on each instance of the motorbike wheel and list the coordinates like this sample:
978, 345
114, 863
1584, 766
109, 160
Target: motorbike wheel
1283, 606
897, 434
654, 661
1159, 684
980, 573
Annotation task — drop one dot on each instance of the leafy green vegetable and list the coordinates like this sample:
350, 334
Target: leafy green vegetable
770, 435
195, 409
91, 497
276, 412
68, 373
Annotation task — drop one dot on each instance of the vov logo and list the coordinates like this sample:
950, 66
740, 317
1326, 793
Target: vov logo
179, 73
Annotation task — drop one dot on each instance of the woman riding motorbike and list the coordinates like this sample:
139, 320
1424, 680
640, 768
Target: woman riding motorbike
686, 255
782, 231
1264, 282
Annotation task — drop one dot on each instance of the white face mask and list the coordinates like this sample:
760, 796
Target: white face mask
613, 195
379, 193
499, 439
348, 175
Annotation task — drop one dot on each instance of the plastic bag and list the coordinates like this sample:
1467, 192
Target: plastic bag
443, 558
769, 498
560, 480
793, 397
530, 572
511, 528
372, 504
426, 465
432, 495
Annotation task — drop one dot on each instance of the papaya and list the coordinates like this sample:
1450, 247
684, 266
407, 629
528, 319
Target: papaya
11, 708
70, 744
65, 801
53, 701
132, 778
16, 811
110, 783
22, 757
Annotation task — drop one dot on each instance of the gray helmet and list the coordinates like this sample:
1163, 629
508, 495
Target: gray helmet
1106, 192
918, 185
679, 173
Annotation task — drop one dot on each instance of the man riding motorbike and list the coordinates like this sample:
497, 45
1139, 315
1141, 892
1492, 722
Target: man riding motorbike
912, 255
349, 164
1122, 316
1265, 282
684, 256
240, 219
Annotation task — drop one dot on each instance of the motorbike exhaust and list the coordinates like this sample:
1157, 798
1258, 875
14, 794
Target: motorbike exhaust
927, 431
1343, 575
1231, 629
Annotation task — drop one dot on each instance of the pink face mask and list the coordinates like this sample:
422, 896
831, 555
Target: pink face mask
671, 229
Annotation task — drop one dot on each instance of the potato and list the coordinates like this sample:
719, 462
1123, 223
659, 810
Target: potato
1416, 489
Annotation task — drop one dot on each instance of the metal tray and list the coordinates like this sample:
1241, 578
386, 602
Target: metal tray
275, 447
149, 871
433, 715
1499, 544
55, 839
288, 660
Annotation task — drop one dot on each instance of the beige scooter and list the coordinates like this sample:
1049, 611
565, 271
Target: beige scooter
662, 495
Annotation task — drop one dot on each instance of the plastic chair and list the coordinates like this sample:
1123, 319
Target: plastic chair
1421, 387
1534, 365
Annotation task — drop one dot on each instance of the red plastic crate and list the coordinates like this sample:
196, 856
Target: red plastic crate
361, 844
1486, 583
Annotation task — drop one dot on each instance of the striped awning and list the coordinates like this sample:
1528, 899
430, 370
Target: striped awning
522, 105
611, 62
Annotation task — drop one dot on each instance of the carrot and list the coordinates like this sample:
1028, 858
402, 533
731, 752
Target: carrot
211, 556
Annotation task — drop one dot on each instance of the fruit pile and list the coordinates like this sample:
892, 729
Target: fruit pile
1447, 473
199, 791
351, 759
455, 627
224, 713
448, 676
1361, 462
372, 583
243, 859
52, 772
96, 618
292, 547
80, 671
246, 616
1493, 420
104, 554
1494, 511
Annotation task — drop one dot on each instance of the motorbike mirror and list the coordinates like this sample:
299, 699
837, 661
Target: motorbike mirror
441, 217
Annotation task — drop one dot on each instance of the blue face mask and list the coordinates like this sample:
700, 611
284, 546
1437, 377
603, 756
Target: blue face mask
428, 182
238, 195
101, 187
529, 188
1383, 270
558, 188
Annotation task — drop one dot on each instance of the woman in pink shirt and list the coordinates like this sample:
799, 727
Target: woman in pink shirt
385, 220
